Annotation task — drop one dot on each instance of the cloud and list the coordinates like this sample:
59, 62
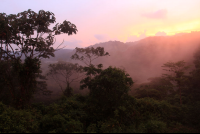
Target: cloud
160, 34
101, 37
133, 38
160, 14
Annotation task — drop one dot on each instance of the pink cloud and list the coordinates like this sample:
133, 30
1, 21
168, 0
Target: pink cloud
105, 38
101, 37
160, 14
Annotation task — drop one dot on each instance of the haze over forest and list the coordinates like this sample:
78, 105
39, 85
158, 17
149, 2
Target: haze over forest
141, 59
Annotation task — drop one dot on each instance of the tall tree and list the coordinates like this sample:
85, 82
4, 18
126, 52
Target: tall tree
87, 56
176, 74
28, 33
64, 72
108, 93
195, 77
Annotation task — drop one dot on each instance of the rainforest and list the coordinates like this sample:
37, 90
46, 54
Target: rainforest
146, 86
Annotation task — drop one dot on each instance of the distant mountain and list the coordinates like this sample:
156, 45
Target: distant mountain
62, 54
143, 59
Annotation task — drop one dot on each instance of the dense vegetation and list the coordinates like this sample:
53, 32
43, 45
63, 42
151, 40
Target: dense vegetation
169, 103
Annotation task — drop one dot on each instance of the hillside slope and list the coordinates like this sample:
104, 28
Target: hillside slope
143, 59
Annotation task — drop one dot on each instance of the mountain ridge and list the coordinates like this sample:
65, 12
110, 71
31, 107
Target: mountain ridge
143, 59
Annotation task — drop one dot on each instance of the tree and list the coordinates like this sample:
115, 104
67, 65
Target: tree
30, 34
89, 54
107, 90
26, 32
177, 74
108, 96
63, 70
195, 77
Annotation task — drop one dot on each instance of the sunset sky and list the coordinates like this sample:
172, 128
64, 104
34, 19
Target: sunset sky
120, 20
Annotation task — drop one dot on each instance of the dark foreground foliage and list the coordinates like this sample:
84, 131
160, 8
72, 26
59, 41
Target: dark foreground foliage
71, 115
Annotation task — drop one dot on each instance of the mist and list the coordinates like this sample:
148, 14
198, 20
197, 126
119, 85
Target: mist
141, 59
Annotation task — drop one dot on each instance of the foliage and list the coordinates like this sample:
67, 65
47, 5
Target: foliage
67, 116
108, 94
158, 88
122, 119
59, 124
17, 121
177, 75
177, 70
20, 79
30, 34
6, 92
194, 90
179, 128
26, 30
153, 126
109, 87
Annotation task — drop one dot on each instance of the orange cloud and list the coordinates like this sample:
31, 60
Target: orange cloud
136, 38
160, 14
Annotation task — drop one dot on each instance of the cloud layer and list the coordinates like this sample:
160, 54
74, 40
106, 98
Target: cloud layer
159, 14
160, 34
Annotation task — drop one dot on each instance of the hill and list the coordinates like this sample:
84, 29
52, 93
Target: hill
143, 59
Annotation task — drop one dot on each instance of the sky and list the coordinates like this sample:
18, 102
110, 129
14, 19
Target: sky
114, 20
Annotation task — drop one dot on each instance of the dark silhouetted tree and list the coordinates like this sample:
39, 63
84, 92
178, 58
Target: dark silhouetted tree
195, 78
176, 74
108, 90
28, 33
87, 55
